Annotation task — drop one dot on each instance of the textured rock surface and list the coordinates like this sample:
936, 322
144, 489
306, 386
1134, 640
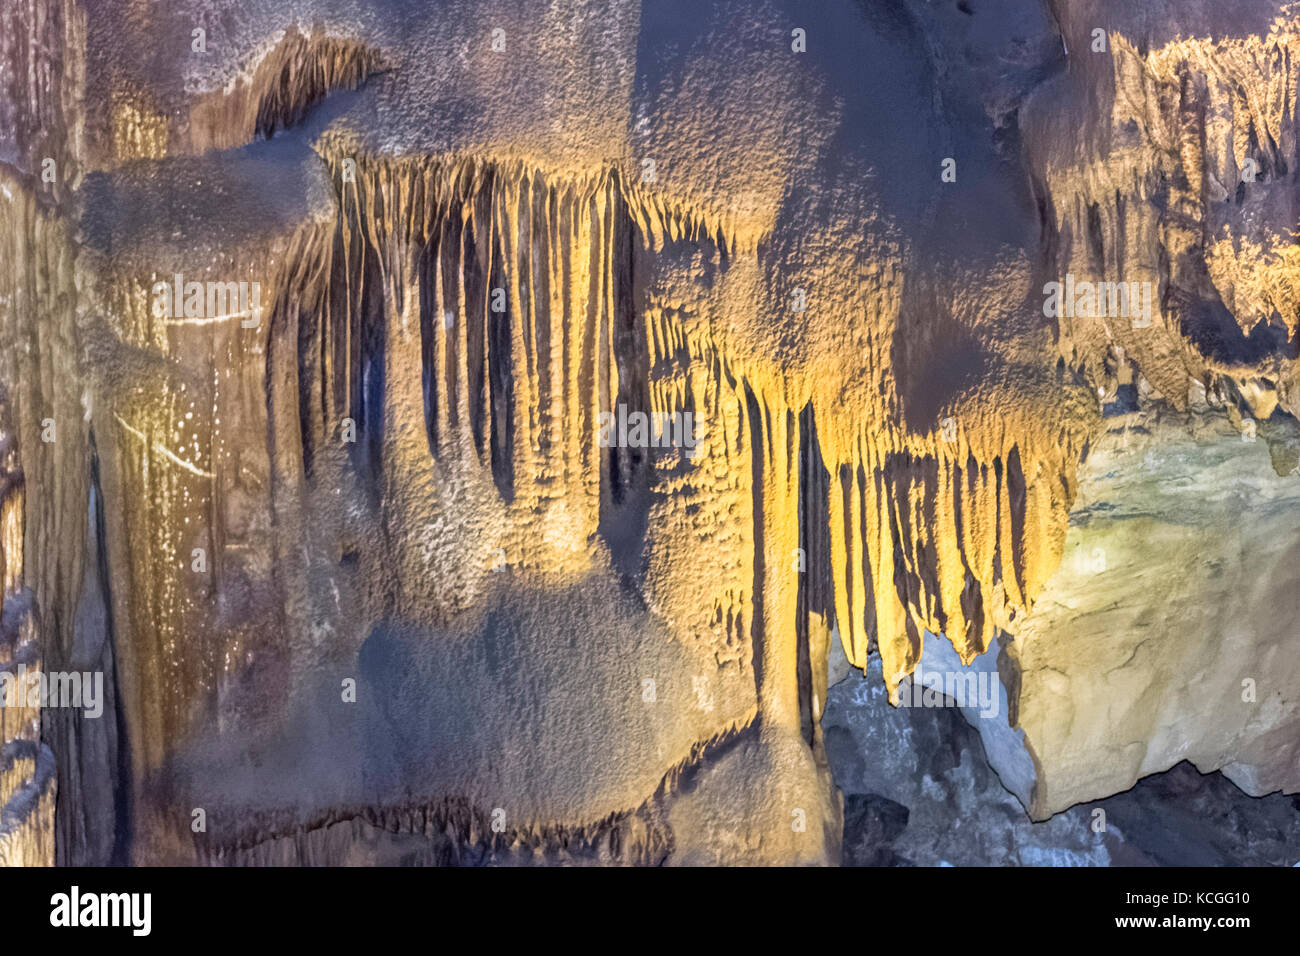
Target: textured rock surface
919, 791
392, 475
1115, 685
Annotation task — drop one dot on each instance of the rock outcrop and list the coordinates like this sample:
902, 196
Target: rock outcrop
477, 425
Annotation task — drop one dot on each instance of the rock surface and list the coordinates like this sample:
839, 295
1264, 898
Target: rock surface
1168, 633
919, 791
362, 559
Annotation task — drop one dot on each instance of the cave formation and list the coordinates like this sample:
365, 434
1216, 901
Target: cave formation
367, 573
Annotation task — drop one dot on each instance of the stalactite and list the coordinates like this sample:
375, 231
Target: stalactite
1203, 124
476, 443
952, 537
272, 93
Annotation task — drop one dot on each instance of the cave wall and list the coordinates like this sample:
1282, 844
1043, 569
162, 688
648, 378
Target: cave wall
382, 478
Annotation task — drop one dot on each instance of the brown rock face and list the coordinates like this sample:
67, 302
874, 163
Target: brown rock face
461, 434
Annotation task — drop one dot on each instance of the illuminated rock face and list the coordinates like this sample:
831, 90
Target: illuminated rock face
375, 557
1115, 685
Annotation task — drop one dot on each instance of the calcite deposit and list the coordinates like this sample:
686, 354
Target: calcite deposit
483, 432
